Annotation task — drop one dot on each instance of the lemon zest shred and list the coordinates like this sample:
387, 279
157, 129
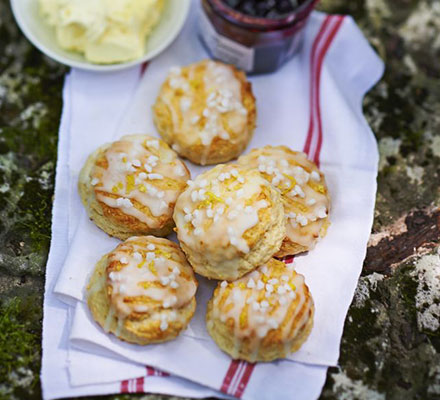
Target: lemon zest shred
243, 318
213, 197
203, 204
165, 254
292, 184
211, 200
317, 187
152, 268
285, 191
195, 83
129, 183
229, 307
299, 206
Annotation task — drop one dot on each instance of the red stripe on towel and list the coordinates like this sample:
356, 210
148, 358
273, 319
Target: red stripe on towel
313, 54
229, 375
328, 42
124, 386
321, 45
140, 385
244, 380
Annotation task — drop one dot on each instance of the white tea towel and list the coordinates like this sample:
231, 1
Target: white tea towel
335, 68
348, 157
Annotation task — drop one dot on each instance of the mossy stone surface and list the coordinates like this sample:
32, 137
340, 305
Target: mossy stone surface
391, 343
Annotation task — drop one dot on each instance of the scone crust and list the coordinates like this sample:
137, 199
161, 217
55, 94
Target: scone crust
258, 333
300, 184
136, 326
186, 137
115, 220
233, 226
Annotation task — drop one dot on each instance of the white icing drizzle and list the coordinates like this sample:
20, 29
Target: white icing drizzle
303, 187
219, 207
208, 92
282, 304
150, 280
119, 326
109, 319
137, 165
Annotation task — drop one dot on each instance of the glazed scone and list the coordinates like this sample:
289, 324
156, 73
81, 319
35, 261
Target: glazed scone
206, 112
143, 291
229, 221
130, 187
304, 192
265, 315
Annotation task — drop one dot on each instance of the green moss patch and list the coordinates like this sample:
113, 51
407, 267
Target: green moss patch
19, 349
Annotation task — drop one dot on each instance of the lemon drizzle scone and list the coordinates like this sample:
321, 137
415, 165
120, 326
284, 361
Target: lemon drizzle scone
265, 315
206, 112
130, 187
304, 193
143, 291
229, 221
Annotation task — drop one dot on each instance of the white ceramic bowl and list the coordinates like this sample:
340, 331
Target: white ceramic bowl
29, 20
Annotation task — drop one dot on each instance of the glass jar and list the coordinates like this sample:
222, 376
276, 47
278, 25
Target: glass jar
254, 44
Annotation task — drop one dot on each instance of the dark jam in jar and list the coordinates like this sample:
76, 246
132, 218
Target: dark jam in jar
264, 8
257, 36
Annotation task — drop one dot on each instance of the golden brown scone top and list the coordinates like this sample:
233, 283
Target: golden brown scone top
303, 189
219, 207
146, 275
206, 100
271, 303
141, 176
